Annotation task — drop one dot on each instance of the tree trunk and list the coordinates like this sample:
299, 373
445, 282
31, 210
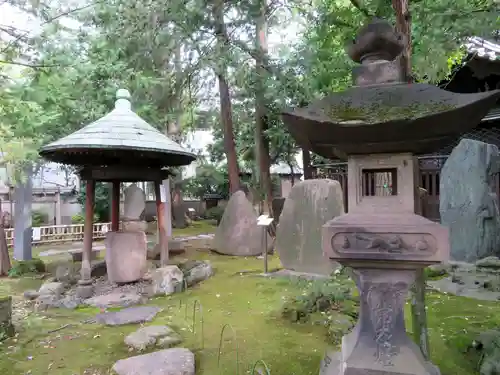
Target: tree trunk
261, 142
225, 101
403, 26
306, 161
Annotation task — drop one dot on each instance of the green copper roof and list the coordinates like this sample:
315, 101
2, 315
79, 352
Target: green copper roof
119, 137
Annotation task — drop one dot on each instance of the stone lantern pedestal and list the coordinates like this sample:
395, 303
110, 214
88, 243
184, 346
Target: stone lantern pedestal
380, 125
384, 242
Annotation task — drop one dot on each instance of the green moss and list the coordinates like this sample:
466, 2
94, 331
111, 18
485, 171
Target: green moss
377, 113
24, 267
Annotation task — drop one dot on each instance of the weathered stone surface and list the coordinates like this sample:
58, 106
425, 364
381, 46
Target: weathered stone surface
238, 233
134, 203
126, 256
196, 271
52, 288
68, 273
468, 205
167, 280
174, 247
152, 335
6, 327
310, 204
31, 294
489, 262
130, 315
116, 299
175, 361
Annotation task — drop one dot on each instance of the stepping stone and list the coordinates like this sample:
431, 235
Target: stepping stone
175, 361
145, 337
130, 315
115, 299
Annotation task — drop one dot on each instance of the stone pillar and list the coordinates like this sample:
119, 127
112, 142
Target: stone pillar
115, 206
23, 196
161, 207
386, 244
85, 288
58, 207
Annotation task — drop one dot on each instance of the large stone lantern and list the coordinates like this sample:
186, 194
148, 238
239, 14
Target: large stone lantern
380, 125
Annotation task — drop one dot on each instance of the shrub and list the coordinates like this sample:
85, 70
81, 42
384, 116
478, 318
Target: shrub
318, 296
80, 219
215, 213
39, 218
23, 267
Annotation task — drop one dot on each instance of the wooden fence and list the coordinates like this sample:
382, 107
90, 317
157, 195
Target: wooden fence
60, 233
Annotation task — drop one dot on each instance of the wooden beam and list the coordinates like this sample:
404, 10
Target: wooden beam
123, 174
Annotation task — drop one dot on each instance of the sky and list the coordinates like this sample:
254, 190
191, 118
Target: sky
10, 16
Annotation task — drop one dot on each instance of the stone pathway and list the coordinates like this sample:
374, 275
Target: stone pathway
146, 337
130, 315
175, 361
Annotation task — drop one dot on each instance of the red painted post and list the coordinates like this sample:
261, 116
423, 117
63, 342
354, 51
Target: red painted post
87, 229
162, 233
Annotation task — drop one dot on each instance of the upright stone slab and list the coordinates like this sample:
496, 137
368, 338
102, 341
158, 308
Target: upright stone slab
22, 215
238, 233
310, 204
468, 204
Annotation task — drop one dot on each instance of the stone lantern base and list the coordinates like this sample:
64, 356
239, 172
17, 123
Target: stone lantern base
378, 344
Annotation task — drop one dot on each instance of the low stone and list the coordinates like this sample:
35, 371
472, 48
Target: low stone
52, 288
175, 247
115, 299
45, 301
31, 294
488, 344
196, 271
84, 290
489, 262
69, 302
67, 273
98, 269
167, 280
175, 361
130, 315
77, 254
338, 326
152, 335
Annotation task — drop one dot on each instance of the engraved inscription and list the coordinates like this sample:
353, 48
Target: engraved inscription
385, 301
390, 243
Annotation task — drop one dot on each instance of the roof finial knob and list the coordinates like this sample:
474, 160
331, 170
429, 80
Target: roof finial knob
122, 99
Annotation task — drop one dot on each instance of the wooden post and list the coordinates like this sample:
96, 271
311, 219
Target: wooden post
87, 229
160, 217
115, 206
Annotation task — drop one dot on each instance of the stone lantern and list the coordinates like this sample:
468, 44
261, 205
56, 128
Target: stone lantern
380, 125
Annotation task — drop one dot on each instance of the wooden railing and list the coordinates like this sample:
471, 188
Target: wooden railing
60, 233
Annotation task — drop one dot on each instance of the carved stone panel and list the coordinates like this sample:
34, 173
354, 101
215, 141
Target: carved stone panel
417, 244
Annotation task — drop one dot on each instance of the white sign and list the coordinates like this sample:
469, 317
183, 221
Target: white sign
191, 209
37, 234
105, 228
264, 220
163, 193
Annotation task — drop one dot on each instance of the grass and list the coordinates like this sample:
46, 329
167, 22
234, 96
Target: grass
245, 302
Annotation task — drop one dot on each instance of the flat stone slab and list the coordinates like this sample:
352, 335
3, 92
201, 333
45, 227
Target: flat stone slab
289, 274
115, 299
52, 252
175, 361
130, 315
145, 337
468, 289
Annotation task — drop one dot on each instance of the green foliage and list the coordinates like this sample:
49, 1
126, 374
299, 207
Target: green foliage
215, 213
80, 218
25, 267
318, 296
39, 218
101, 203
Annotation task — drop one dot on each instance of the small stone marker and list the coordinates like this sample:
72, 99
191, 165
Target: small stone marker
238, 233
175, 361
130, 315
37, 234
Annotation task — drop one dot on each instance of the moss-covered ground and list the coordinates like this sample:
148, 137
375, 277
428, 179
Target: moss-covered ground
248, 304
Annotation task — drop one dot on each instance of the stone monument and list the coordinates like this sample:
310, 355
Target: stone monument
379, 125
468, 203
310, 204
126, 250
